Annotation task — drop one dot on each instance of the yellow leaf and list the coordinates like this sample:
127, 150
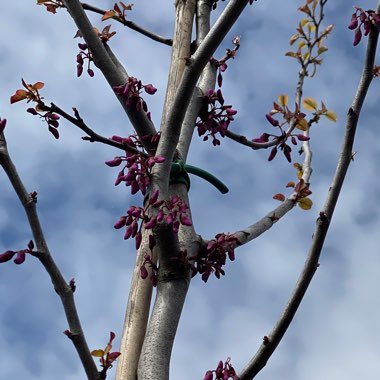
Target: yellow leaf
331, 115
291, 54
310, 104
311, 27
293, 38
297, 166
302, 124
283, 99
306, 56
301, 44
305, 203
304, 21
328, 29
322, 49
97, 353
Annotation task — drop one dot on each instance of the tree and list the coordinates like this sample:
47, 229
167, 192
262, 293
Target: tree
192, 253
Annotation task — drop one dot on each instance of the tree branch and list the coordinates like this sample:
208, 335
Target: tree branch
206, 82
131, 25
111, 70
273, 339
92, 136
192, 72
172, 285
63, 289
136, 316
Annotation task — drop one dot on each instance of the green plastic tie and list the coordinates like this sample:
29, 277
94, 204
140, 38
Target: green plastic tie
179, 174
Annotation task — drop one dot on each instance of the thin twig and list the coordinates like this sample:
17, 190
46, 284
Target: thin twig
273, 339
63, 289
131, 25
109, 67
92, 135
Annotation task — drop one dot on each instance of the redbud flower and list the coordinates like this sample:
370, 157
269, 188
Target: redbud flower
150, 89
272, 154
272, 120
354, 22
357, 37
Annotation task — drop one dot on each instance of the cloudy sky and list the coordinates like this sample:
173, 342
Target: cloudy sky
335, 335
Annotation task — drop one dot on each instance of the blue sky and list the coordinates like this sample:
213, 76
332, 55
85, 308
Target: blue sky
335, 334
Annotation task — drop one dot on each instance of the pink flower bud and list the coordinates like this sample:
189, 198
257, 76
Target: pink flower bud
150, 89
79, 70
6, 256
20, 257
138, 240
231, 112
54, 132
208, 376
82, 46
272, 154
32, 111
90, 72
143, 272
150, 224
354, 22
30, 245
273, 121
153, 198
367, 26
159, 159
120, 223
185, 220
303, 138
363, 16
128, 233
115, 162
357, 37
53, 116
287, 151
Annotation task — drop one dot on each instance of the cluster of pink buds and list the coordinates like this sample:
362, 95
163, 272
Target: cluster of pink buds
213, 258
49, 117
282, 139
137, 166
172, 212
131, 92
214, 118
83, 55
222, 372
20, 255
362, 18
222, 63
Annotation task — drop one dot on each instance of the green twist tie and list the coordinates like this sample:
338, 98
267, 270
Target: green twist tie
179, 174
